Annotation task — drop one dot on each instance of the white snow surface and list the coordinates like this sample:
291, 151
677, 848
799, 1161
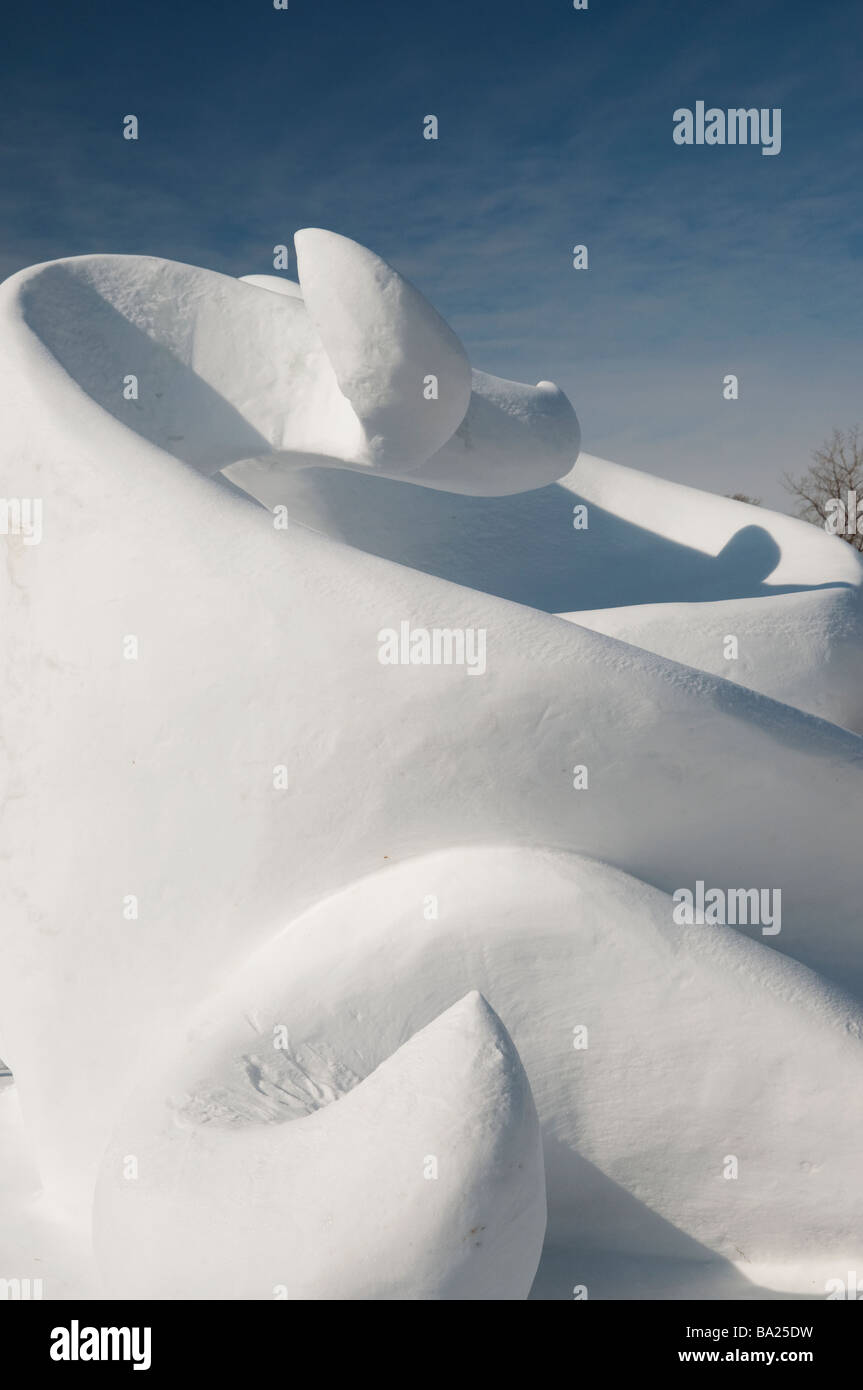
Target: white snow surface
279, 284
805, 648
170, 908
426, 1182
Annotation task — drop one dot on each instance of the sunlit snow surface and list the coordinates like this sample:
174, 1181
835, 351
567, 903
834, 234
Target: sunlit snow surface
328, 978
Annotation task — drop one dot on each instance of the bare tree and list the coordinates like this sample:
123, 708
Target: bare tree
744, 497
827, 494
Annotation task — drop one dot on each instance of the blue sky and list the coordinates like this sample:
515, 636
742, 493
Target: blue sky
555, 129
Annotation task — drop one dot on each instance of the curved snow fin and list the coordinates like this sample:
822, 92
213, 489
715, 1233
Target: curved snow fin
399, 364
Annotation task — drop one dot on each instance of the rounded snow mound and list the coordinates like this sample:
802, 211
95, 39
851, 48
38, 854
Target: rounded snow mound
621, 1016
426, 1182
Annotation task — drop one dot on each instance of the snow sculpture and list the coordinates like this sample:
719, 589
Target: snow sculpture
223, 815
425, 1182
360, 372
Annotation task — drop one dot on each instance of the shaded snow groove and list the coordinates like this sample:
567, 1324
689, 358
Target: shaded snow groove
269, 1090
